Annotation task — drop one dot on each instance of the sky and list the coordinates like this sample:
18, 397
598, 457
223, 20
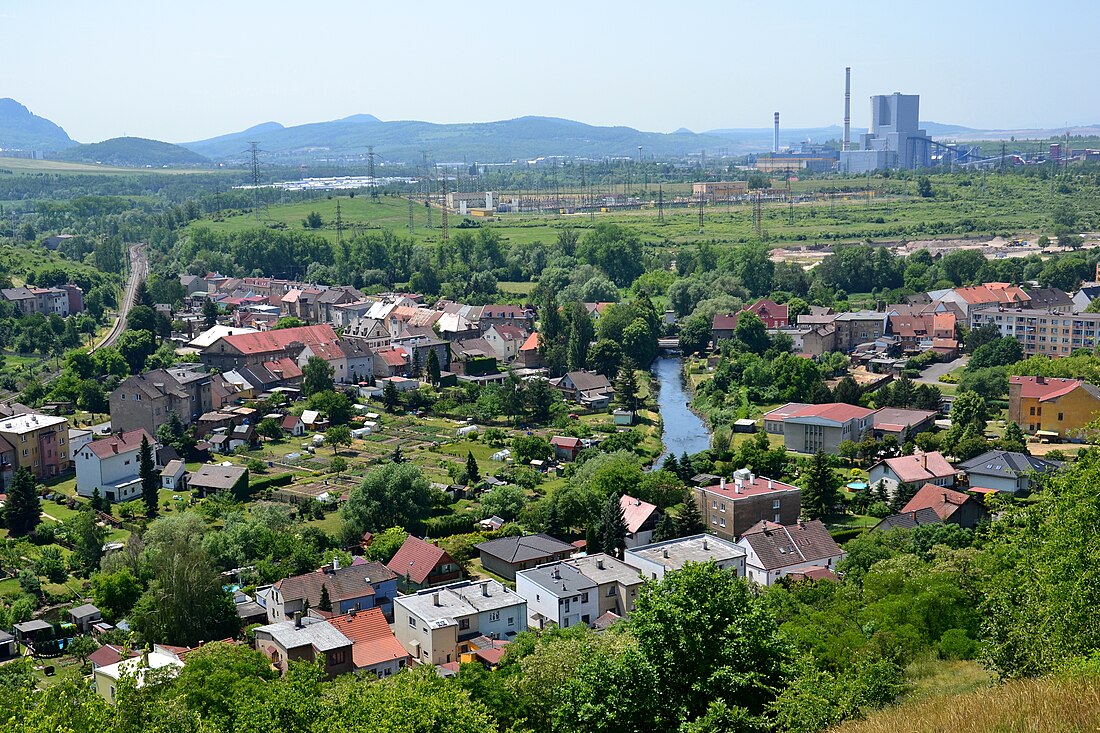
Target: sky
188, 70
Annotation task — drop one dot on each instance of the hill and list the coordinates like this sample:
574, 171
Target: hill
1025, 706
20, 129
523, 138
133, 152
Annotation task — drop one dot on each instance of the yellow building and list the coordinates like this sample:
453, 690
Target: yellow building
40, 443
719, 189
1052, 407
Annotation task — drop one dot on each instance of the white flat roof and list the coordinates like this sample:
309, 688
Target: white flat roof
29, 423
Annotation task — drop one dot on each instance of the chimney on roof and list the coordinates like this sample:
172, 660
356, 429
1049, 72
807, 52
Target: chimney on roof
599, 563
722, 483
771, 484
1040, 380
485, 588
435, 599
114, 447
297, 619
704, 543
664, 552
335, 564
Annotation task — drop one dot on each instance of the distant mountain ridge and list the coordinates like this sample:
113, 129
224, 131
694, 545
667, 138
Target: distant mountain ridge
20, 129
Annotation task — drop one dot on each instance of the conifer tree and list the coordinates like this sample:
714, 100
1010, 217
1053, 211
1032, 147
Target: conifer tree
613, 527
150, 481
24, 510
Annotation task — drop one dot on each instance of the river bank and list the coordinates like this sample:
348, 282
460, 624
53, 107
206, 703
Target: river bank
682, 429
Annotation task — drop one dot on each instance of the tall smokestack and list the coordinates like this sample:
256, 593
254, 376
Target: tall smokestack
847, 142
775, 142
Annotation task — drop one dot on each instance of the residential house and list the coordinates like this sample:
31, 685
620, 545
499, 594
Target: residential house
83, 616
952, 507
212, 334
655, 560
420, 564
173, 477
641, 520
617, 583
528, 356
105, 680
40, 443
1053, 407
111, 465
253, 349
192, 285
7, 463
374, 648
730, 508
813, 428
391, 362
371, 331
907, 520
505, 341
858, 327
902, 424
436, 625
980, 297
566, 448
558, 594
513, 316
915, 470
1083, 297
148, 400
776, 550
213, 478
293, 425
505, 556
1007, 471
27, 631
109, 654
588, 388
305, 638
356, 587
1051, 300
722, 327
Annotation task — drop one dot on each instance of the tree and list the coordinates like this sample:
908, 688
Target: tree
325, 604
288, 322
210, 312
605, 355
751, 333
394, 494
999, 352
333, 405
51, 564
847, 390
665, 529
626, 386
473, 474
708, 637
337, 436
695, 335
390, 397
1014, 439
924, 187
312, 221
115, 593
507, 501
23, 511
82, 646
269, 429
528, 448
136, 347
338, 465
97, 501
142, 318
150, 480
613, 527
433, 368
969, 410
316, 376
539, 398
690, 522
87, 538
820, 488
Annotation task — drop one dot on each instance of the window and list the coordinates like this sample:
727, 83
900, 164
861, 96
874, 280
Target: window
713, 504
713, 517
722, 522
611, 591
511, 620
22, 438
463, 624
1032, 410
1061, 416
723, 507
338, 656
494, 615
25, 452
775, 504
584, 598
776, 520
61, 442
412, 622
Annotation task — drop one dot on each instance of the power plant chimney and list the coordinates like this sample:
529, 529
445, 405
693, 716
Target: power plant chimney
775, 142
846, 144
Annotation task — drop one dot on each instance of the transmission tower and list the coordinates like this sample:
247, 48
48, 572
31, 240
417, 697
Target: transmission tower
370, 173
661, 203
427, 181
410, 215
758, 215
443, 206
790, 199
254, 148
339, 224
702, 201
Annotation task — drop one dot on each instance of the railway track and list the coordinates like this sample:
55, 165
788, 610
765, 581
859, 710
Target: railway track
139, 269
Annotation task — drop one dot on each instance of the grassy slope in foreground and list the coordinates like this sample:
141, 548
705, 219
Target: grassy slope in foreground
1050, 705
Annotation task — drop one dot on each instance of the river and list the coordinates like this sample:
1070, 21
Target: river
683, 429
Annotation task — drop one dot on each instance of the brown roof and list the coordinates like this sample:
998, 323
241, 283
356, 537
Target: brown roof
779, 546
944, 502
1045, 388
278, 339
724, 322
121, 443
416, 559
636, 512
563, 441
355, 581
920, 467
372, 640
392, 357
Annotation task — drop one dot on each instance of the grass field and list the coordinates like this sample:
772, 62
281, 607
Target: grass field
25, 166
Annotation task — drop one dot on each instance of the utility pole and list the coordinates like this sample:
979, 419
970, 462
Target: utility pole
339, 224
702, 201
790, 200
443, 206
758, 215
370, 173
661, 203
410, 215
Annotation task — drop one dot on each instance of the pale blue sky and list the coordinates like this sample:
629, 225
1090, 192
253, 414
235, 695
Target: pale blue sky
180, 70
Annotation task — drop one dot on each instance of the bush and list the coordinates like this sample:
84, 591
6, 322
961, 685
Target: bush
956, 644
448, 525
268, 482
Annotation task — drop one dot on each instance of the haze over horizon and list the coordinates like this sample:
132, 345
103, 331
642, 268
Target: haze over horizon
183, 73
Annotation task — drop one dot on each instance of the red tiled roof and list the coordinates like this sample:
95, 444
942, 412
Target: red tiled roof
1048, 388
122, 443
278, 339
836, 411
416, 559
509, 333
758, 485
993, 293
944, 502
724, 322
108, 654
287, 366
372, 640
920, 467
392, 357
532, 342
769, 308
290, 422
635, 512
562, 441
490, 656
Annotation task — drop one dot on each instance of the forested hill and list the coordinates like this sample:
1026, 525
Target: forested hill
20, 129
135, 152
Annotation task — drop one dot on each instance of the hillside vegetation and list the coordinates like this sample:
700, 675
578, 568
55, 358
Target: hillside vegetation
1027, 706
132, 152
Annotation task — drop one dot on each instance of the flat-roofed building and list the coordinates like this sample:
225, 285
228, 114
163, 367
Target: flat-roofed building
653, 561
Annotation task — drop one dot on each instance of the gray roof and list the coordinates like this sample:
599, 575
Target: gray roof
250, 609
780, 546
217, 477
862, 316
524, 549
908, 520
32, 625
315, 632
5, 637
558, 577
1007, 463
1049, 298
602, 568
697, 548
458, 600
585, 381
81, 611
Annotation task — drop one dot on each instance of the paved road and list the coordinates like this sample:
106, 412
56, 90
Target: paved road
932, 374
139, 269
